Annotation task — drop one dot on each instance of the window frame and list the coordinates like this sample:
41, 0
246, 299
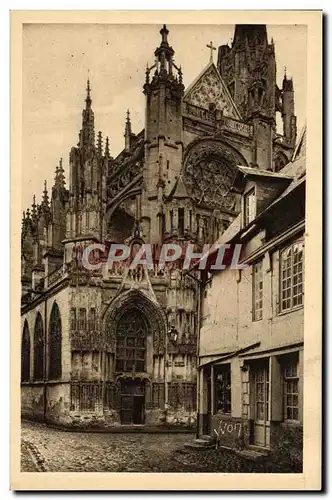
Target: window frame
282, 279
224, 368
255, 310
286, 362
246, 217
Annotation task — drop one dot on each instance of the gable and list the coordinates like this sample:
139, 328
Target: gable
209, 88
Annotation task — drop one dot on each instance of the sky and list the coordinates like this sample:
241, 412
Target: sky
58, 58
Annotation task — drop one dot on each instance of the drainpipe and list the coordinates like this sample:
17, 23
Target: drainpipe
199, 308
166, 374
45, 361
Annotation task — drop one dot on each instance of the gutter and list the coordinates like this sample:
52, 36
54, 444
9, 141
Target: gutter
231, 354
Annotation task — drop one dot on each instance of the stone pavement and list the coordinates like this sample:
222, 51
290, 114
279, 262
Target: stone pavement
44, 449
47, 449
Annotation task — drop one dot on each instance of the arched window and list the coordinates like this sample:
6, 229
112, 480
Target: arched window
131, 336
55, 339
38, 342
25, 354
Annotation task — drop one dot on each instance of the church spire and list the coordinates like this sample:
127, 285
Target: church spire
88, 100
128, 133
164, 66
107, 148
100, 144
164, 54
59, 176
34, 207
87, 134
45, 202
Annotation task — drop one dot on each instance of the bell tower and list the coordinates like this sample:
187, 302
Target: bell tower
249, 69
164, 90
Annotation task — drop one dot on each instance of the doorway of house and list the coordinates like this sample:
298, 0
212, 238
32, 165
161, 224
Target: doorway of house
207, 417
132, 402
262, 403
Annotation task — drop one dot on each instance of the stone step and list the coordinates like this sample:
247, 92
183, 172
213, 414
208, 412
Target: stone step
202, 441
207, 438
259, 449
195, 446
251, 455
199, 444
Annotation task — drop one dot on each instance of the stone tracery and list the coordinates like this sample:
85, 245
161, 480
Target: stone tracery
210, 173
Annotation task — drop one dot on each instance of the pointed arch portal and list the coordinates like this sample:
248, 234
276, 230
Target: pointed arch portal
133, 322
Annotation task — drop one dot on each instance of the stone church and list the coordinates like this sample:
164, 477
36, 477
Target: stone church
118, 347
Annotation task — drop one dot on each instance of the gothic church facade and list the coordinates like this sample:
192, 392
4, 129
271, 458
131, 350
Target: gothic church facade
115, 347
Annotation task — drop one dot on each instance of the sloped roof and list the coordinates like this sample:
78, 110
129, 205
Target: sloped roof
300, 148
209, 87
263, 173
179, 189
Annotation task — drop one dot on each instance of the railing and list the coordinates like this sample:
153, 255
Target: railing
197, 112
237, 126
54, 276
217, 118
118, 269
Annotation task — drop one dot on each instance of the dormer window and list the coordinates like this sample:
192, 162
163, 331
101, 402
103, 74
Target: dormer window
249, 207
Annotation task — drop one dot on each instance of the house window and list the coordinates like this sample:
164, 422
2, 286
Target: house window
222, 385
291, 389
181, 222
249, 207
257, 290
292, 276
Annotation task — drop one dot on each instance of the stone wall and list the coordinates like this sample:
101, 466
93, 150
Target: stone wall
32, 402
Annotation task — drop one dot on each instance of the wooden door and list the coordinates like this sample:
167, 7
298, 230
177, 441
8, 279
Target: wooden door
262, 404
132, 402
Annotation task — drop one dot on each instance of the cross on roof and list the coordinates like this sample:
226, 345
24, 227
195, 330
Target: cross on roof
212, 48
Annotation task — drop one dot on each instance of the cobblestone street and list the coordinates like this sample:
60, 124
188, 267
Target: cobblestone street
47, 449
44, 449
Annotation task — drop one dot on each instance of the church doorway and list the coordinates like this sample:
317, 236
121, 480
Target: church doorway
132, 402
